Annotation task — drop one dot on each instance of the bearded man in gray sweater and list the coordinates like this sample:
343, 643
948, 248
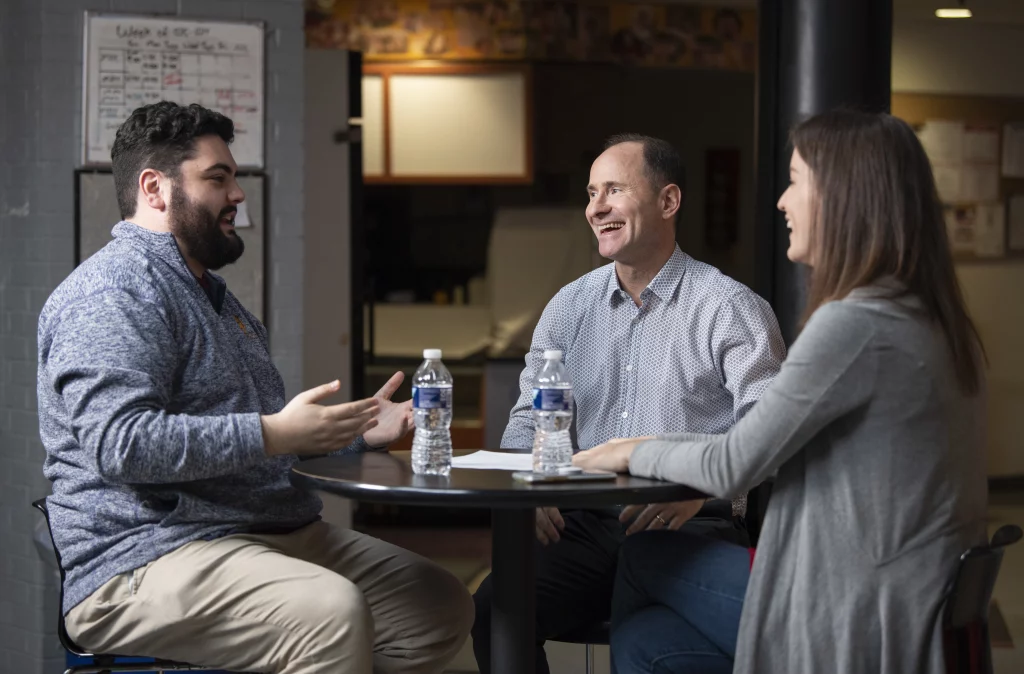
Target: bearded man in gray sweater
169, 443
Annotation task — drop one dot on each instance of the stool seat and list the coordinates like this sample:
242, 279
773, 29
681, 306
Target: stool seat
101, 663
596, 633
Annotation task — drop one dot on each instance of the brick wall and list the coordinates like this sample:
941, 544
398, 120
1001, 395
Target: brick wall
40, 139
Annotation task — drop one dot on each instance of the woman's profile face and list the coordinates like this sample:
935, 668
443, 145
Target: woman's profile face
797, 202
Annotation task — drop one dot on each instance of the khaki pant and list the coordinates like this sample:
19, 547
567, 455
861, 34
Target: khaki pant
321, 599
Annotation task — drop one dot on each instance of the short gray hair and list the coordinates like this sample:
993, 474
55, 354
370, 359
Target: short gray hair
662, 163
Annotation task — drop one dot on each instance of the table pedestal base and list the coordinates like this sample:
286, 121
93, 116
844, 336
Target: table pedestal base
513, 603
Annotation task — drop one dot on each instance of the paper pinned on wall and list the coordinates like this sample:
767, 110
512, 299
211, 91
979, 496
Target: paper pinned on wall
242, 216
1013, 150
990, 231
943, 141
1016, 222
981, 145
948, 180
960, 229
979, 182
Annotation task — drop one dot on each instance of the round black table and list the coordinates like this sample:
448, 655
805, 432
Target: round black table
384, 478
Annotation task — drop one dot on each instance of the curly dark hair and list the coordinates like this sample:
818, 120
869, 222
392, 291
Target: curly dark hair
160, 136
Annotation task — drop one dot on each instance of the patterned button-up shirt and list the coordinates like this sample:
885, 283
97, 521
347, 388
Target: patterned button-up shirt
694, 357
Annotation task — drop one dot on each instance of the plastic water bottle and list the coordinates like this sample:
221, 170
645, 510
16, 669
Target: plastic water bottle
432, 414
552, 416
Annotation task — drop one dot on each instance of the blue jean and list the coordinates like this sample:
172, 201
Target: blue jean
677, 602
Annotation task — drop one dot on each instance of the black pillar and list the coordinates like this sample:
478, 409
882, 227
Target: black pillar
814, 55
359, 292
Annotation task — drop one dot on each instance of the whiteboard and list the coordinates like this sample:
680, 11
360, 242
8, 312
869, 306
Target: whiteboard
97, 213
132, 61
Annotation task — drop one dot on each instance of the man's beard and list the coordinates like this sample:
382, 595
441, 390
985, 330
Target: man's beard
199, 231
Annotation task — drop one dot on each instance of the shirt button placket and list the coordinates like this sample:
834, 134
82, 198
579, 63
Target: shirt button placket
631, 384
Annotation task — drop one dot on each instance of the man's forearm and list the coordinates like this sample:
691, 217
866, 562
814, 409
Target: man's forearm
148, 447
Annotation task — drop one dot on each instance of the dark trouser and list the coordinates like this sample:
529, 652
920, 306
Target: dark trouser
575, 576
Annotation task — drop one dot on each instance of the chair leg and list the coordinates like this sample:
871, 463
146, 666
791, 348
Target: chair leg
590, 658
986, 649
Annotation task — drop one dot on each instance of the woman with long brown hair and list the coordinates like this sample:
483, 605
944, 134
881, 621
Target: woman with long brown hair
874, 429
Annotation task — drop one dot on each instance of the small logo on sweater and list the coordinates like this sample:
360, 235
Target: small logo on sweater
241, 324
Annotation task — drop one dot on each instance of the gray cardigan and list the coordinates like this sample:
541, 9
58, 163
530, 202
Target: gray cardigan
880, 487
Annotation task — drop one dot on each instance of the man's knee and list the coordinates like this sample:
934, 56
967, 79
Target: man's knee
628, 645
455, 606
432, 613
334, 614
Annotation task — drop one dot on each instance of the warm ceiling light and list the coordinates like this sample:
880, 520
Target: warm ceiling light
953, 13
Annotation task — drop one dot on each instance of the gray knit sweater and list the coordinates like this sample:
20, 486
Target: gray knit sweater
150, 395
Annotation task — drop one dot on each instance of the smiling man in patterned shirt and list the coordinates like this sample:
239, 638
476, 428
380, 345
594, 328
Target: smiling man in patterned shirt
655, 343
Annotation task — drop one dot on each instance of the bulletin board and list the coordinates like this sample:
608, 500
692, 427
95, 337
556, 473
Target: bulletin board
131, 61
976, 145
96, 213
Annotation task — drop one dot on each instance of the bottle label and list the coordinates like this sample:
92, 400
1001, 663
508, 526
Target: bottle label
431, 398
552, 399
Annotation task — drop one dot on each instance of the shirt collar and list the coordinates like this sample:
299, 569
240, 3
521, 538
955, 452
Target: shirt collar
165, 246
663, 285
159, 243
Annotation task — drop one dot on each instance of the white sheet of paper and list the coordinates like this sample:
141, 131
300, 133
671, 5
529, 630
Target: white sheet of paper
981, 145
979, 182
990, 231
943, 141
1016, 222
494, 461
242, 216
947, 180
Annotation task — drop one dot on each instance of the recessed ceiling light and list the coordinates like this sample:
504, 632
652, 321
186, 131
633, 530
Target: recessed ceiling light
953, 13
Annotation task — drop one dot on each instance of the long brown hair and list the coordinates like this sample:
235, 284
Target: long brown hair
878, 215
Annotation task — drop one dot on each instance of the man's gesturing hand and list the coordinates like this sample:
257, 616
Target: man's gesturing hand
307, 428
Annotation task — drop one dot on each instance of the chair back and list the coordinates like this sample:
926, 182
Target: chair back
971, 592
65, 639
966, 645
757, 506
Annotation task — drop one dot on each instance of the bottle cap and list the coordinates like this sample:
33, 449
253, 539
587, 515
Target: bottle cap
432, 354
552, 354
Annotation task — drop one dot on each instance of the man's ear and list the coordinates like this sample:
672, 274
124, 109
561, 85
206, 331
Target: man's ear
154, 189
670, 200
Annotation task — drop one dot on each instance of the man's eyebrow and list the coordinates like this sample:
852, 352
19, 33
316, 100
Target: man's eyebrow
220, 167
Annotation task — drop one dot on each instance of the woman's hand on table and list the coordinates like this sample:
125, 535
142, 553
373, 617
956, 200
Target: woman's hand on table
612, 455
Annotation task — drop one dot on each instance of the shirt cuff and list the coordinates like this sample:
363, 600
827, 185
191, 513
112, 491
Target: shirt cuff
645, 457
250, 435
358, 446
361, 445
